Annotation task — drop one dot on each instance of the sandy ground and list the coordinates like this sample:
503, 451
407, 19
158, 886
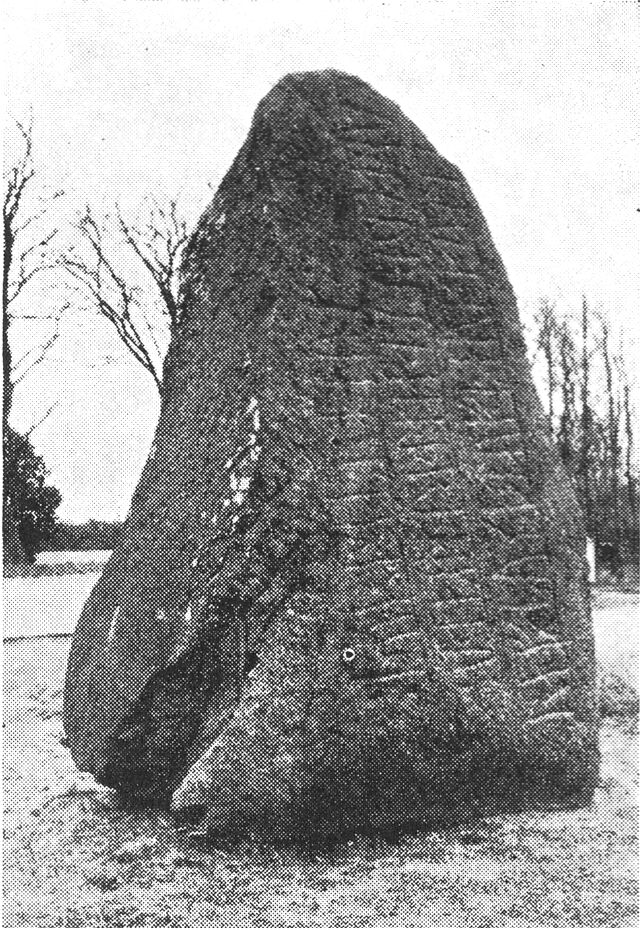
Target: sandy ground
73, 858
616, 623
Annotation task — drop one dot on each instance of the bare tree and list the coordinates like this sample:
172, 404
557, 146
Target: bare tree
16, 180
630, 477
612, 446
25, 254
158, 242
567, 422
130, 272
546, 336
586, 422
593, 423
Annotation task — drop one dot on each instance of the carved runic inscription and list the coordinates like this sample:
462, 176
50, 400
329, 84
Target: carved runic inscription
351, 587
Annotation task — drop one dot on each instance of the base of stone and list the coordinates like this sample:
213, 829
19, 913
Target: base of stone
209, 828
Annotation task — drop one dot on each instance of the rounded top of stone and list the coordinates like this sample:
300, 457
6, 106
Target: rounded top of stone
320, 89
322, 78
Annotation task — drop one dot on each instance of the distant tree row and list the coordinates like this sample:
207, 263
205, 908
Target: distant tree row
94, 535
587, 392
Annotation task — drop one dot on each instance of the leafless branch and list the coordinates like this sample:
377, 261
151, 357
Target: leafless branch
158, 244
30, 432
43, 351
17, 177
114, 298
114, 261
42, 210
23, 260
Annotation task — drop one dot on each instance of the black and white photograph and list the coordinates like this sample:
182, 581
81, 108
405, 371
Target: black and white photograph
320, 470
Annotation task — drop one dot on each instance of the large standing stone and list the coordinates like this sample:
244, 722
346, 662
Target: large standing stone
351, 589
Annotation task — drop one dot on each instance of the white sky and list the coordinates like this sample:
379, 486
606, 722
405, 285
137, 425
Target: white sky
535, 102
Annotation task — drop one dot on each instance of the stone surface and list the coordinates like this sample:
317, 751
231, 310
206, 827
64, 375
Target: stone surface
352, 588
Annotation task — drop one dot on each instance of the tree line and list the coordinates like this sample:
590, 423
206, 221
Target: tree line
126, 270
586, 389
93, 535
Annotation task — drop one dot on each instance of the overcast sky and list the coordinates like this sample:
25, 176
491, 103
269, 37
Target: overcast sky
536, 103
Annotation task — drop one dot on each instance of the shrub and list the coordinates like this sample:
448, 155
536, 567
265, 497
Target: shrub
29, 503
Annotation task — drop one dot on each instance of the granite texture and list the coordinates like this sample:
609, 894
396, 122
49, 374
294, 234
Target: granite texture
351, 590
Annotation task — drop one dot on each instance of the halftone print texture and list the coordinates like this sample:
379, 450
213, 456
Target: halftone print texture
346, 664
351, 591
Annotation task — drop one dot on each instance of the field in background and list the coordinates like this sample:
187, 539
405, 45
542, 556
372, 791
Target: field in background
47, 605
58, 563
74, 859
73, 558
46, 598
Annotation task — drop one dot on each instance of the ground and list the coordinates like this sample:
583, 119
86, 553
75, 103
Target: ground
73, 858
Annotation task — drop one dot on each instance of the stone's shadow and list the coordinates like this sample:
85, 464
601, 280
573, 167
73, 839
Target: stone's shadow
478, 825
